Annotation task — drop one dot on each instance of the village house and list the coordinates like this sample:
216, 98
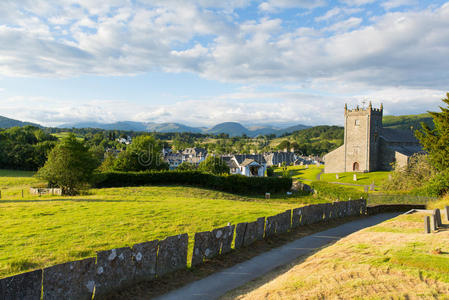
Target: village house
251, 165
370, 147
278, 158
194, 155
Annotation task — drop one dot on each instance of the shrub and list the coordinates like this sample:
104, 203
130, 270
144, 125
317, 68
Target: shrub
270, 171
230, 183
334, 192
417, 173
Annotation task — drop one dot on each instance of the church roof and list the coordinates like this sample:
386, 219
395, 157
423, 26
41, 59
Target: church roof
407, 150
398, 136
240, 158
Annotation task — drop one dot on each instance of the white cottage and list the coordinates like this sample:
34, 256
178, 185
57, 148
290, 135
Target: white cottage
248, 165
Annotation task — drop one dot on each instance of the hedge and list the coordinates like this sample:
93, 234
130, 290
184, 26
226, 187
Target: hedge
228, 183
334, 192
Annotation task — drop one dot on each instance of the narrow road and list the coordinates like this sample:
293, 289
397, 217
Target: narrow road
218, 284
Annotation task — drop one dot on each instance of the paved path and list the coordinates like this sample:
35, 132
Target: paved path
219, 283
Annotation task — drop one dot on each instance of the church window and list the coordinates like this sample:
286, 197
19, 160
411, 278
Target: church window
357, 123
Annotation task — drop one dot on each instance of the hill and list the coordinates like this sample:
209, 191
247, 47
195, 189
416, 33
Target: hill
407, 121
172, 127
8, 123
230, 128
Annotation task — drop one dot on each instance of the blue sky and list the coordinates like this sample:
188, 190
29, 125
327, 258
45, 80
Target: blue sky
203, 62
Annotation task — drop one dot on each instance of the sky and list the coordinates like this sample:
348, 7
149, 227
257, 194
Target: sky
202, 62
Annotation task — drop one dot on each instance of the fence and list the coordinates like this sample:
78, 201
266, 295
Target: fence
116, 269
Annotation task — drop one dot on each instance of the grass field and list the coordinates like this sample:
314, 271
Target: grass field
302, 173
393, 260
64, 134
43, 231
362, 178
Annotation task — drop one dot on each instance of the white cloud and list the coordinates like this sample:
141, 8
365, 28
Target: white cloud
329, 14
275, 5
248, 106
357, 2
390, 4
345, 25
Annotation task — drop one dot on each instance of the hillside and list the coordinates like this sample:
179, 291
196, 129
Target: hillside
230, 128
8, 123
407, 121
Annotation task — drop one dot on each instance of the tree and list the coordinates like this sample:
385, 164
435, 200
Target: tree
70, 165
436, 141
144, 153
186, 166
214, 165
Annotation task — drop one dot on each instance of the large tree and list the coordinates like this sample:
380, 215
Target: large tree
214, 165
144, 153
436, 141
70, 165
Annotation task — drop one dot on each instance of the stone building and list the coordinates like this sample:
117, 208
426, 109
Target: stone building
368, 146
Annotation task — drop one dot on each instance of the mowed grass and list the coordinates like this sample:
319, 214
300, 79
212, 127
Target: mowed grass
393, 260
13, 182
302, 173
42, 231
378, 177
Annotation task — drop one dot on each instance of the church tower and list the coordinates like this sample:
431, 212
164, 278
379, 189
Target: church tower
361, 139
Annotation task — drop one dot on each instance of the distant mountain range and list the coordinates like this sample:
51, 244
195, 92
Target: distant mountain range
8, 123
231, 128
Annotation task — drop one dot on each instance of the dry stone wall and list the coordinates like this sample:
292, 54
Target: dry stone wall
116, 269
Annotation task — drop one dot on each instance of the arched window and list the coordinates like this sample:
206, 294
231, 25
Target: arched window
355, 166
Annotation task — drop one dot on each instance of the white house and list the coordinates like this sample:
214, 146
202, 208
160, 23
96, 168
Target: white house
249, 165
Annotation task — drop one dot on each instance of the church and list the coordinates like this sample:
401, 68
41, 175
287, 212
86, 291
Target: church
368, 146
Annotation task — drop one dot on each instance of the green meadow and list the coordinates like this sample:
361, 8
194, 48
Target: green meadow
42, 231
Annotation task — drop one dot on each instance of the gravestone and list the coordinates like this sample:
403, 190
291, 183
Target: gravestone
73, 280
240, 235
172, 255
433, 223
296, 217
447, 213
270, 226
267, 196
336, 176
114, 270
144, 257
437, 217
427, 224
260, 228
354, 177
228, 236
23, 286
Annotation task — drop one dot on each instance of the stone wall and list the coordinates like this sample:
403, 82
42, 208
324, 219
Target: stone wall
115, 269
45, 191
